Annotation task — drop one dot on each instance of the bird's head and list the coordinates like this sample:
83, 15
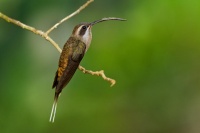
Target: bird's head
83, 31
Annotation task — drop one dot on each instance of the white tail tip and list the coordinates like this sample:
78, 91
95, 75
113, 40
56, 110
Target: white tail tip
53, 112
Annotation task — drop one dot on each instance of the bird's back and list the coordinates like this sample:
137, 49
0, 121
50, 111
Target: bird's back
72, 53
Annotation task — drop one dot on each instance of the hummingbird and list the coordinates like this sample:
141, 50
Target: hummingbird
71, 56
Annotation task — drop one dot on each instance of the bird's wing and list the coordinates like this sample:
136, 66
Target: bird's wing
74, 59
63, 61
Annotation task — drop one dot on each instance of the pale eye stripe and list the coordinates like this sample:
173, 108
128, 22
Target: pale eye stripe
78, 30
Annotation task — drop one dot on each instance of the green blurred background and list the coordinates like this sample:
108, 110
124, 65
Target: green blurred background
154, 57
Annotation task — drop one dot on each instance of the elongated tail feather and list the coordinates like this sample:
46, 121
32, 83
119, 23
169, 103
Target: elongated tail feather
53, 110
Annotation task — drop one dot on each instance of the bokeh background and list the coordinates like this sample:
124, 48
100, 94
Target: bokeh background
154, 57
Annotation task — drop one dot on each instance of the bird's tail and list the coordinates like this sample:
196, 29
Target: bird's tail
53, 110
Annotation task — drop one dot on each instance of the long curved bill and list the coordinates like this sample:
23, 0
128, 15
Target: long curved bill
106, 19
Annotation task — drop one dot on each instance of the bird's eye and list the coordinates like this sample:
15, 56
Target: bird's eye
84, 27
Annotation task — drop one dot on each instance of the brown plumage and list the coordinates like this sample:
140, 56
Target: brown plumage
71, 56
72, 53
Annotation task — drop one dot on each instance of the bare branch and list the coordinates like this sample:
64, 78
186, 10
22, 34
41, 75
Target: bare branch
69, 16
98, 73
48, 38
32, 29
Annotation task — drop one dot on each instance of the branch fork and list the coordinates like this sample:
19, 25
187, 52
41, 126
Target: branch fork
48, 38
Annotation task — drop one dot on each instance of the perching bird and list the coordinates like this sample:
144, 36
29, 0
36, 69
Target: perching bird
71, 56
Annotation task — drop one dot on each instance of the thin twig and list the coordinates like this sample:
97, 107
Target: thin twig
32, 29
69, 16
98, 73
48, 38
